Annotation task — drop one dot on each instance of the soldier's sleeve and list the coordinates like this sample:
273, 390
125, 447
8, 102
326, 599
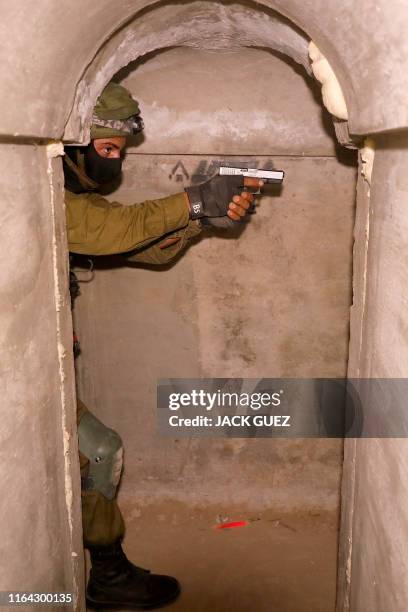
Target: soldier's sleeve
158, 253
96, 226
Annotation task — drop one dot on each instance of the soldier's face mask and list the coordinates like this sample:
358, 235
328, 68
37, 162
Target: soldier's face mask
102, 170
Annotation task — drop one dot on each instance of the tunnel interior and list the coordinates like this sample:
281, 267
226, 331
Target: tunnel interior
216, 81
269, 299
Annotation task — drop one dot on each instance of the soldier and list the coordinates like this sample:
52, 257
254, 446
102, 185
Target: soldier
154, 231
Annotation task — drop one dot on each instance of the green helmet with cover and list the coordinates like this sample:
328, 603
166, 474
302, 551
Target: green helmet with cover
116, 113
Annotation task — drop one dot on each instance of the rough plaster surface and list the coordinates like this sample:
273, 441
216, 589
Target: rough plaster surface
360, 258
230, 117
375, 526
54, 151
380, 527
355, 365
333, 97
367, 160
64, 38
41, 548
386, 263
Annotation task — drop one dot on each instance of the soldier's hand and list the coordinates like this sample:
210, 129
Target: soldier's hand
221, 200
242, 203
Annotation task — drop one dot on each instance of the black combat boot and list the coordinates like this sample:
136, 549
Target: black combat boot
115, 582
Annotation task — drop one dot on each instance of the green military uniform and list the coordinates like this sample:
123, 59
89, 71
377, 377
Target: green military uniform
96, 226
102, 521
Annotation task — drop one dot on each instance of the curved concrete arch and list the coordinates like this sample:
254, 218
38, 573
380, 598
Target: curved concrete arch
64, 39
206, 25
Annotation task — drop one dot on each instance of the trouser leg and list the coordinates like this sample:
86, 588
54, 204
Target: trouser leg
114, 581
102, 521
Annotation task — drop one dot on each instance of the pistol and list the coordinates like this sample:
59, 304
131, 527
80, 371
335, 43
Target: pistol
268, 176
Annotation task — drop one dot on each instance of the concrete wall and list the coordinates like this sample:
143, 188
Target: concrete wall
366, 47
41, 543
271, 302
196, 102
375, 484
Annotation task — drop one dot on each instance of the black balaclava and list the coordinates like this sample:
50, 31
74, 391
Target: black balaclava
100, 169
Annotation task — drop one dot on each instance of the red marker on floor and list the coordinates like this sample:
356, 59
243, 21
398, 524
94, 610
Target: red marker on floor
232, 525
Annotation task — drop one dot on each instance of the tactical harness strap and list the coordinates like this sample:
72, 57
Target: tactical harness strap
79, 170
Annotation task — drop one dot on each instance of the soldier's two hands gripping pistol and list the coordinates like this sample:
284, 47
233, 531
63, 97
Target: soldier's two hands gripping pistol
210, 201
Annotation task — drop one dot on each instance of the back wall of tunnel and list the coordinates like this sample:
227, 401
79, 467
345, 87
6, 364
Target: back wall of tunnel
273, 302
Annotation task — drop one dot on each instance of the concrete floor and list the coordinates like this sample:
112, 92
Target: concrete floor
278, 563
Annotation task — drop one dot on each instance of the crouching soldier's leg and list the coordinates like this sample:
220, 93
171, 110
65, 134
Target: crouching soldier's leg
114, 581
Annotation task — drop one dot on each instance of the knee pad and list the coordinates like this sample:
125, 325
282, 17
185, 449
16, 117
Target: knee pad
103, 448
